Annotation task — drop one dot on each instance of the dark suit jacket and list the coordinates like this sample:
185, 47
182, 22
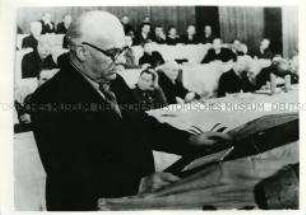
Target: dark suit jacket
149, 99
32, 64
171, 90
264, 76
155, 59
140, 40
230, 82
46, 28
194, 40
61, 28
224, 56
171, 41
29, 42
87, 150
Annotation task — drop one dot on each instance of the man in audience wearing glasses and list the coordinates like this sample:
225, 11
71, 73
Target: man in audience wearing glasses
89, 147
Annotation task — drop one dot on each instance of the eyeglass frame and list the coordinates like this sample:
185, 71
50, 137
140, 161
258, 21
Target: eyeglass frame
106, 52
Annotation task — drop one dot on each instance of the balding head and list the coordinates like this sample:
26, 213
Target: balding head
99, 27
95, 39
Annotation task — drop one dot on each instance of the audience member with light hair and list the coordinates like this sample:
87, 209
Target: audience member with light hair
280, 68
129, 54
173, 88
38, 59
236, 80
31, 41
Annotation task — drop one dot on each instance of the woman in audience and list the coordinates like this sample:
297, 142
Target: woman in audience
150, 57
236, 79
174, 90
172, 37
37, 60
32, 40
191, 37
147, 92
264, 50
144, 35
217, 52
208, 35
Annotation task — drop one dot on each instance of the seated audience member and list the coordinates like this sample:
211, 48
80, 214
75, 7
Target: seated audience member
63, 26
217, 52
264, 50
23, 109
172, 38
37, 60
146, 19
153, 58
125, 20
174, 90
243, 50
280, 68
191, 37
236, 79
129, 54
236, 47
144, 35
47, 25
32, 40
147, 92
208, 35
159, 35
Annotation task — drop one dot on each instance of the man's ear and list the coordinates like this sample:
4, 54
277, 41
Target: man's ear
81, 53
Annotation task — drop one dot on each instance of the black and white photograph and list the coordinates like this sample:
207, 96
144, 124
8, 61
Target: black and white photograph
158, 107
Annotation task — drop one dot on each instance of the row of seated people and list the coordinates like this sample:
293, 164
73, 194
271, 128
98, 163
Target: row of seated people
157, 88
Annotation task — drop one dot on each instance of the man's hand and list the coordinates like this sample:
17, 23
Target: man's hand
208, 138
156, 181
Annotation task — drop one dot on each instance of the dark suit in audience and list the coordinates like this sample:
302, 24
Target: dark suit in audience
149, 99
190, 40
172, 41
231, 82
224, 55
61, 28
159, 40
139, 39
171, 90
208, 39
47, 28
266, 54
32, 64
155, 59
29, 42
264, 76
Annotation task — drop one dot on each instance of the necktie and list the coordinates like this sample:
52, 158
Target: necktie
110, 98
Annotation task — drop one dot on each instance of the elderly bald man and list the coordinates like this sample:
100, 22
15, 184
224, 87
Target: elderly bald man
89, 147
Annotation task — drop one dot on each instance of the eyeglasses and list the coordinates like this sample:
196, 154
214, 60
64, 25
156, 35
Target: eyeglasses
113, 53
